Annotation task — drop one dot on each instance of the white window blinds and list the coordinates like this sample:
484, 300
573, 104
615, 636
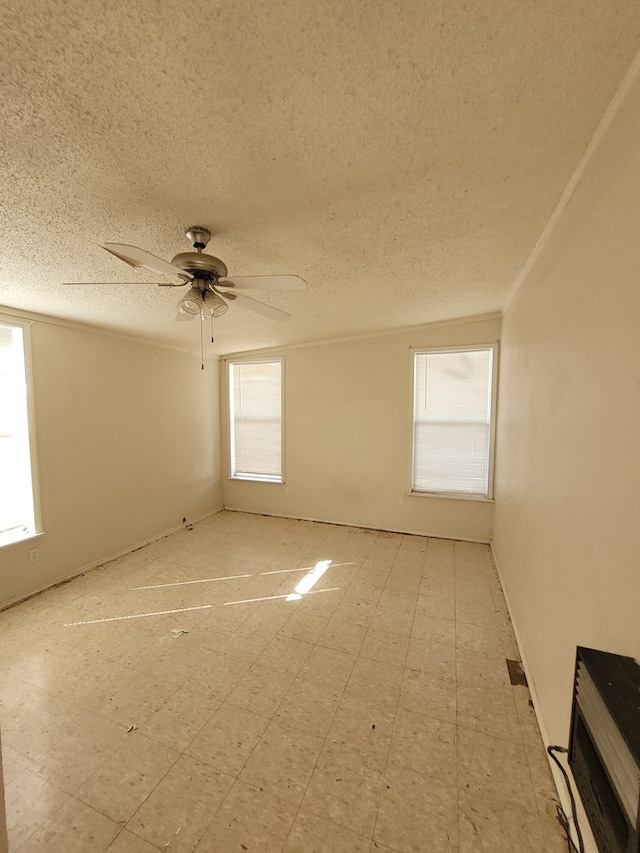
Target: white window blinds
452, 421
255, 409
17, 514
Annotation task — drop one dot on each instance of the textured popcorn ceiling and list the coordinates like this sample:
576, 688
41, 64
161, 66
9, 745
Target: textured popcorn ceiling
403, 157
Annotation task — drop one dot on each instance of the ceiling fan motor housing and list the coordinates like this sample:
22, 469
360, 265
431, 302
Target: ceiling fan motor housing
200, 265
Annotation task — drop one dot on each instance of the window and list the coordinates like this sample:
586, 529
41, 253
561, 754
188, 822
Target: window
255, 420
452, 421
17, 504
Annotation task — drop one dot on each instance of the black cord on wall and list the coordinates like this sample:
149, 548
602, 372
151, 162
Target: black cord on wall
562, 816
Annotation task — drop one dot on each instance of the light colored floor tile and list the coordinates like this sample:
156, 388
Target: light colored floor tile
417, 814
304, 627
127, 842
552, 841
218, 679
74, 828
425, 693
365, 728
494, 767
488, 823
372, 659
249, 820
474, 598
374, 681
433, 657
182, 716
397, 599
483, 617
179, 810
394, 621
433, 629
29, 802
385, 646
126, 779
344, 789
10, 768
488, 709
272, 615
64, 744
435, 602
342, 635
93, 684
310, 706
538, 762
355, 610
425, 745
484, 639
135, 702
311, 834
480, 670
414, 543
405, 580
261, 690
18, 699
227, 740
283, 761
43, 661
509, 644
248, 646
328, 666
360, 594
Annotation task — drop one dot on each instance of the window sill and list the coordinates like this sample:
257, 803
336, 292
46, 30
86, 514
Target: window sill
256, 479
14, 537
451, 497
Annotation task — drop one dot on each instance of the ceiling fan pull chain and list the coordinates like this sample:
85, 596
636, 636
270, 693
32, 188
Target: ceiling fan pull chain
201, 341
212, 338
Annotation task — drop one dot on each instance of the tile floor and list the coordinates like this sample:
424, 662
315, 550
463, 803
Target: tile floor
227, 689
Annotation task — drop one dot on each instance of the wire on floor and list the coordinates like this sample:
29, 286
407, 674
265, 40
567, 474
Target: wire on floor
562, 817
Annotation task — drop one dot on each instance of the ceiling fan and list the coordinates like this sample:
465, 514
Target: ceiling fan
211, 289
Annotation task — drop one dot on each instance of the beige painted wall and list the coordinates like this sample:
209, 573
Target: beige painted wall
567, 529
127, 442
348, 411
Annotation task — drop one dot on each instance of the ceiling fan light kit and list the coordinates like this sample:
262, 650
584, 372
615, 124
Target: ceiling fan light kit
215, 304
190, 303
211, 290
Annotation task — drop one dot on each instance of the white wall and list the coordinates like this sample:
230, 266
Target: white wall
567, 527
348, 416
128, 444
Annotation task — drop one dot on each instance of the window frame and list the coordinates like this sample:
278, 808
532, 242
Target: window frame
247, 477
25, 326
495, 349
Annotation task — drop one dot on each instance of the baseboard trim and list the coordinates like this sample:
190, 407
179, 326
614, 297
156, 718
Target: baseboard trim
4, 605
353, 524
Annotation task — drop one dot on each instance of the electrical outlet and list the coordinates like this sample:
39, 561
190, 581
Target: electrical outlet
401, 502
34, 555
288, 491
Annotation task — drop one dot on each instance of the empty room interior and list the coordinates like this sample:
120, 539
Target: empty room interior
312, 548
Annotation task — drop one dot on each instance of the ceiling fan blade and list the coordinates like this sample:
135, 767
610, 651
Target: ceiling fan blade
181, 317
115, 283
264, 282
136, 257
260, 307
